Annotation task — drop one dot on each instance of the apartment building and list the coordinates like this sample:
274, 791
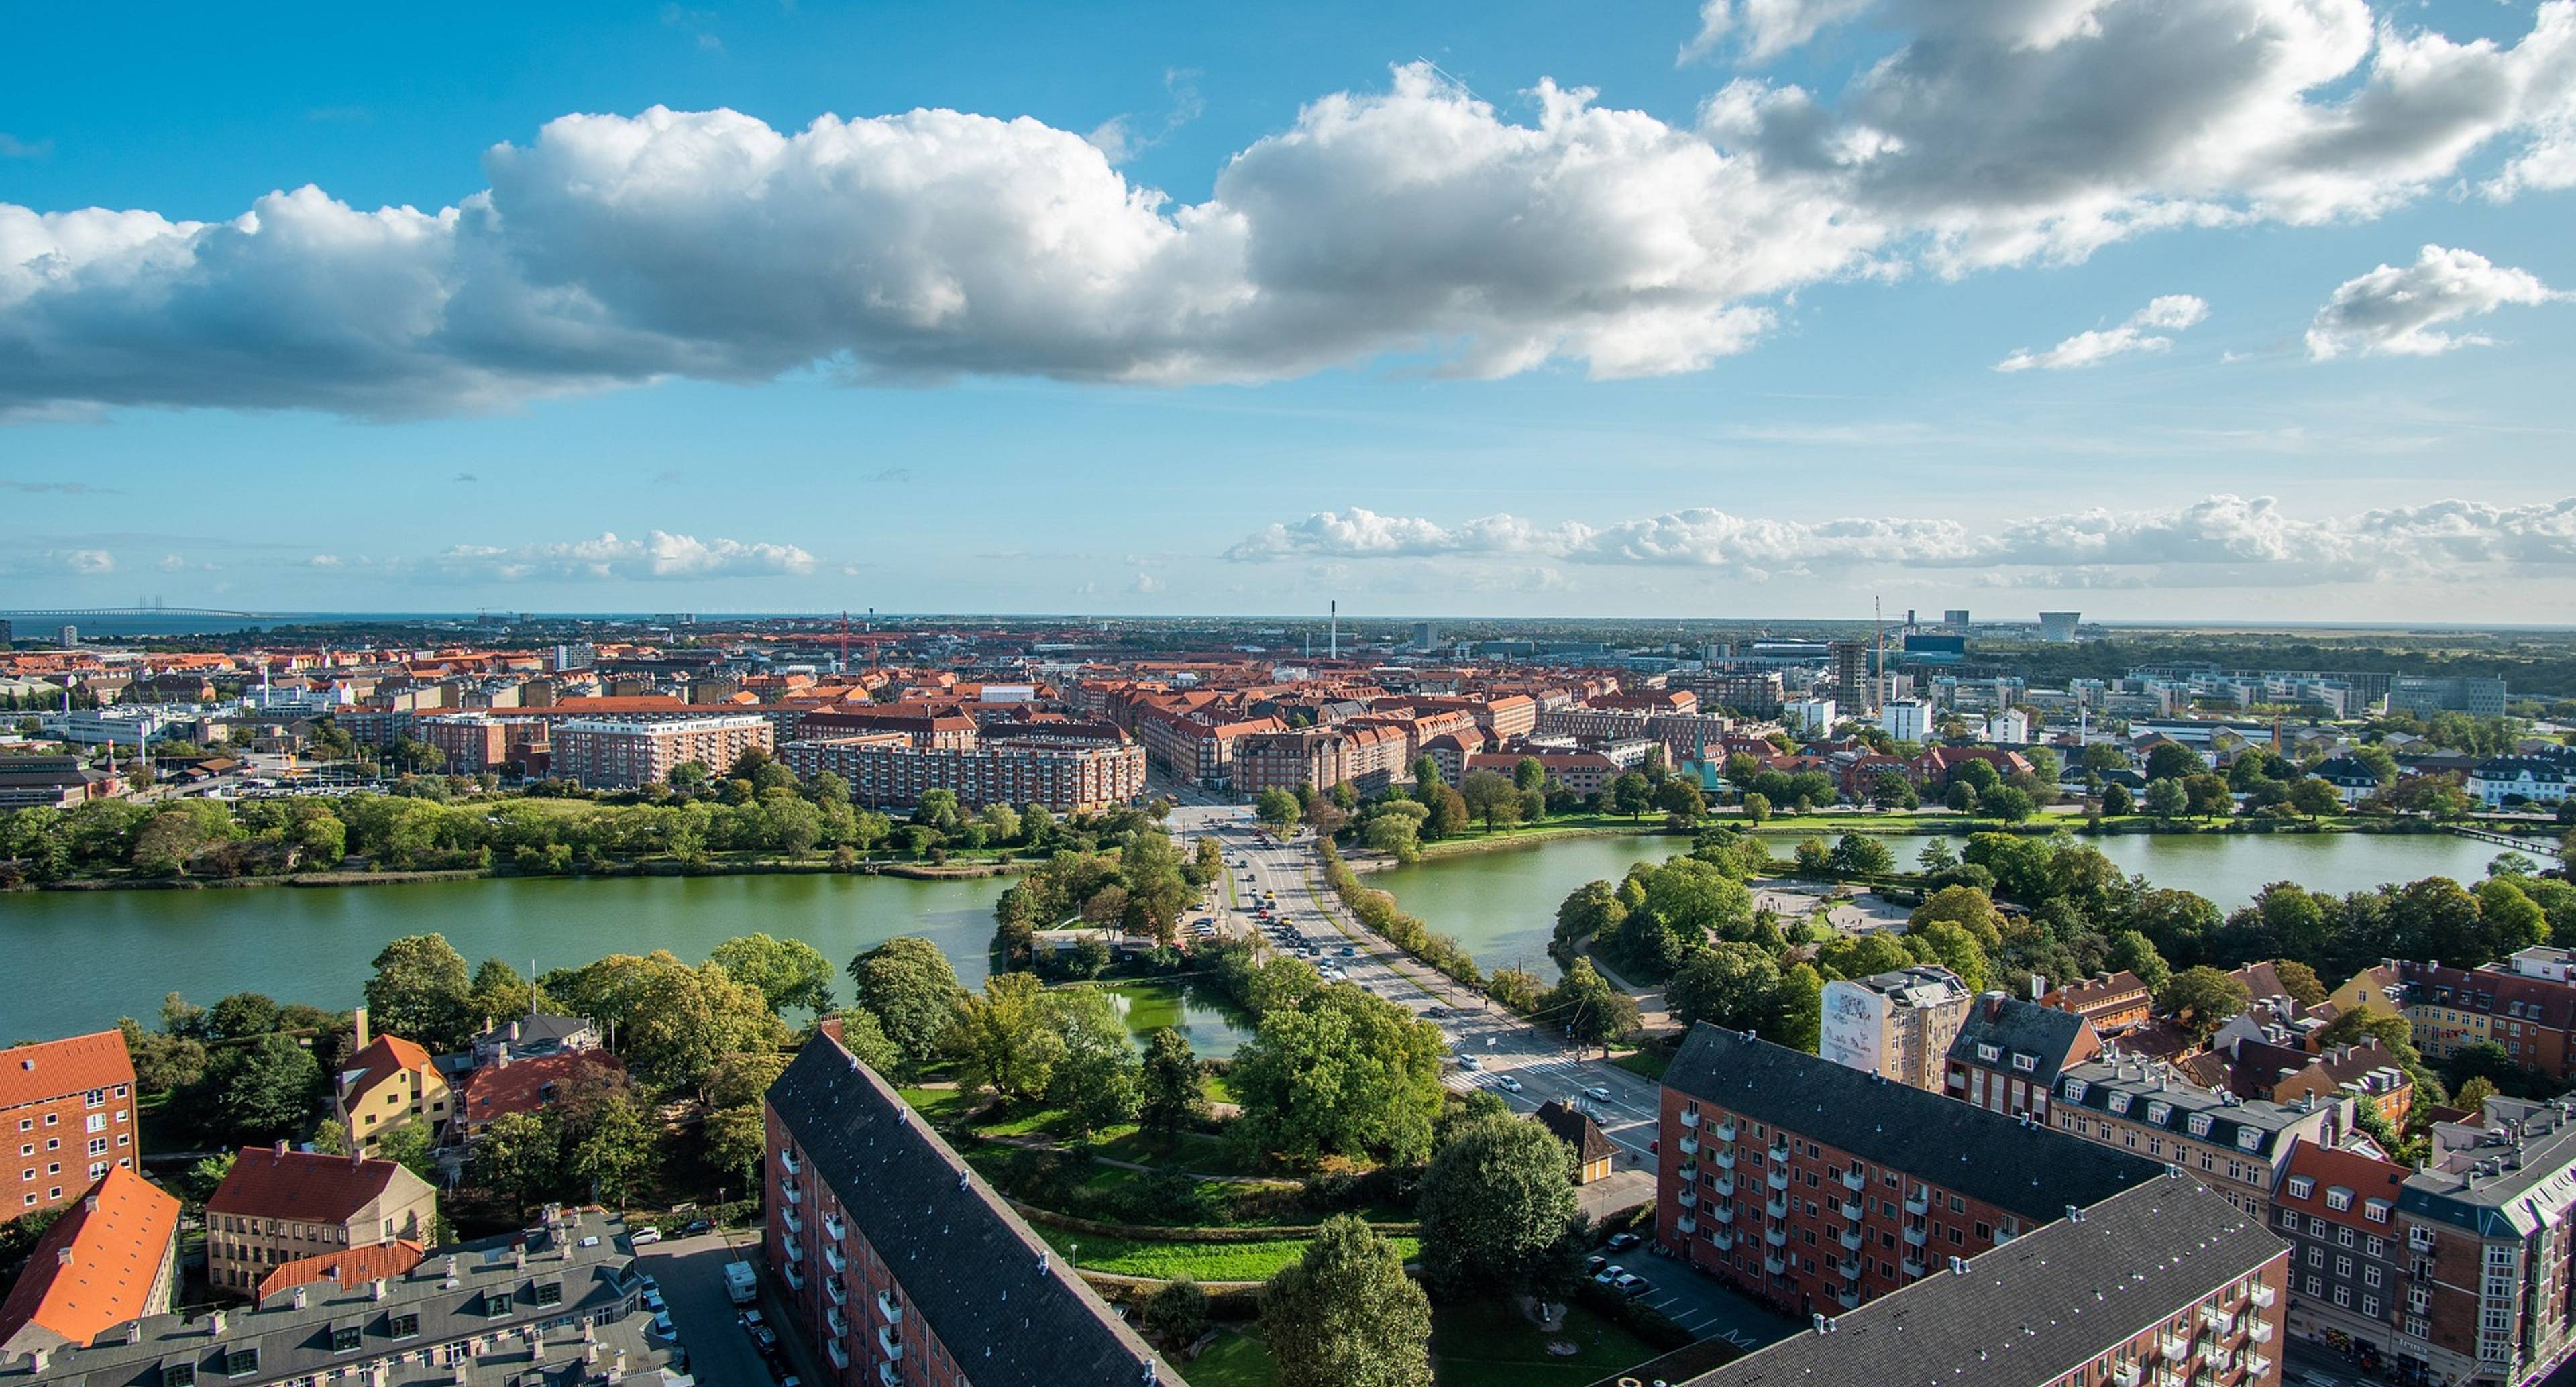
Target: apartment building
1367, 757
1811, 1186
67, 1106
2236, 1146
1758, 693
1584, 773
2348, 1251
278, 1206
2162, 1283
622, 753
1067, 774
474, 742
2527, 1004
901, 1267
2109, 1002
2008, 1054
1897, 1025
918, 726
558, 1303
1683, 735
389, 1080
2535, 779
110, 1258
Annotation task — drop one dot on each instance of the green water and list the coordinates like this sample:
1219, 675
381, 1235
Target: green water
1502, 905
83, 958
1213, 1028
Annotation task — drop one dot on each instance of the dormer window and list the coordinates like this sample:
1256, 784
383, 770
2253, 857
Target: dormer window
2247, 1138
2338, 1198
2074, 1090
2120, 1104
2160, 1112
2200, 1124
2301, 1187
2025, 1063
2376, 1210
1989, 1053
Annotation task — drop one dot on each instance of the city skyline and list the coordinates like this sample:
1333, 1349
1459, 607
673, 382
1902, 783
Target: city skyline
2219, 310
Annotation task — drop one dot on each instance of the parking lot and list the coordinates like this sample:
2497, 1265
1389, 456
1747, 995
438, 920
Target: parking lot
1697, 1302
691, 1275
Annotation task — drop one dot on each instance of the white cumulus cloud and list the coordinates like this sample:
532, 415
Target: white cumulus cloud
2395, 310
659, 554
1767, 28
2170, 312
2250, 539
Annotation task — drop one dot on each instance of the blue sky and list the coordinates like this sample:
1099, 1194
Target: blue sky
1192, 309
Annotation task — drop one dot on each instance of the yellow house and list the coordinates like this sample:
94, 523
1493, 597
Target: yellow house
389, 1080
2369, 990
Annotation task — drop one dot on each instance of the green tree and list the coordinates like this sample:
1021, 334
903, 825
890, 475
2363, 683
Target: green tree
257, 1092
1095, 1078
1498, 1210
687, 1020
788, 972
1757, 809
421, 992
616, 1153
1003, 1038
1861, 855
2314, 797
498, 993
1587, 1009
1171, 1097
2302, 981
2134, 953
1491, 798
2172, 761
2006, 802
907, 985
1277, 810
1177, 1314
2117, 801
1345, 1314
2202, 999
1800, 1008
1890, 789
734, 1139
1630, 794
1344, 1073
1732, 985
1592, 910
516, 1159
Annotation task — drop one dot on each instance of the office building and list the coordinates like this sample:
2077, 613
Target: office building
1897, 1025
901, 1267
67, 1109
2424, 696
1808, 718
1810, 1186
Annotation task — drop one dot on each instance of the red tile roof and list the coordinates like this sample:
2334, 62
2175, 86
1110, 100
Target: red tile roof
95, 1268
347, 1269
496, 1090
307, 1185
384, 1057
52, 1068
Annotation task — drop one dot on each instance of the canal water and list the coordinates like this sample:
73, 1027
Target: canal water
1502, 905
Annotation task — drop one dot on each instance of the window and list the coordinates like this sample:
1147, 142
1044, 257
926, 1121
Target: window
2120, 1103
2316, 1226
2300, 1186
2248, 1138
2343, 1296
2290, 1219
550, 1293
2316, 1258
2376, 1247
344, 1338
2200, 1124
2376, 1210
2370, 1306
178, 1375
2075, 1090
2370, 1276
2160, 1112
1988, 1053
2028, 1064
2343, 1237
2337, 1197
241, 1362
405, 1326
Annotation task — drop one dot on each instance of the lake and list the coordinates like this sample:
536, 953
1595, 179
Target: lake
1502, 905
1213, 1027
96, 955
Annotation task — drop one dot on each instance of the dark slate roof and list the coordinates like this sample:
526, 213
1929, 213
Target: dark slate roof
2034, 1309
2031, 1170
2014, 1026
1010, 1314
1576, 1129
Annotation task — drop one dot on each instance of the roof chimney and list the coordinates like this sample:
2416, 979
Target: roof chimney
358, 1020
63, 1255
2038, 987
281, 1149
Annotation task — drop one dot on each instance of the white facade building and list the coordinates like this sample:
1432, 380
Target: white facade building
1907, 720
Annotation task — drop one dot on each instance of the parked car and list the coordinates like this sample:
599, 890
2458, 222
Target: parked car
653, 1301
646, 1236
662, 1326
1632, 1285
1594, 1263
1621, 1242
694, 1229
1609, 1275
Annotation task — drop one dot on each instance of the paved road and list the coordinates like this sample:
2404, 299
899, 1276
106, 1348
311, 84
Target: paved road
691, 1273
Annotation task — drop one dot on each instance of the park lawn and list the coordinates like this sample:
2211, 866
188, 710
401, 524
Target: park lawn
1199, 1261
1195, 1152
939, 1105
1236, 1359
1217, 1089
1649, 1064
1486, 1343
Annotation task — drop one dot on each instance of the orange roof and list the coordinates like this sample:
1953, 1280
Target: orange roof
384, 1057
96, 1268
52, 1068
347, 1269
270, 1182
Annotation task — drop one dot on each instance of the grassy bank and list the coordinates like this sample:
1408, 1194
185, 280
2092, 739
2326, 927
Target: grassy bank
1169, 1261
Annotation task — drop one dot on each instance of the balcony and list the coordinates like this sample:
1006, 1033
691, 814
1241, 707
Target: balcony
1723, 1186
2174, 1347
2213, 1353
2256, 1366
833, 1228
1722, 1158
1779, 1155
1778, 1207
2214, 1318
1722, 1240
789, 1161
1723, 1213
1686, 1199
888, 1376
795, 1253
1724, 1131
1918, 1203
1914, 1266
788, 1191
2126, 1375
1775, 1266
1778, 1178
1690, 1146
1688, 1172
833, 1289
1689, 1118
887, 1341
1854, 1181
889, 1307
795, 1278
2260, 1331
1850, 1270
1850, 1209
840, 1356
2167, 1377
1776, 1237
839, 1322
832, 1258
2263, 1296
1916, 1235
795, 1223
1687, 1225
1849, 1300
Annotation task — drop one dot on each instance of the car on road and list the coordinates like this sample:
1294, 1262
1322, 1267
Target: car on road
1349, 951
1621, 1242
1597, 1094
1469, 1062
1505, 1082
646, 1236
1434, 1013
1632, 1285
1609, 1275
